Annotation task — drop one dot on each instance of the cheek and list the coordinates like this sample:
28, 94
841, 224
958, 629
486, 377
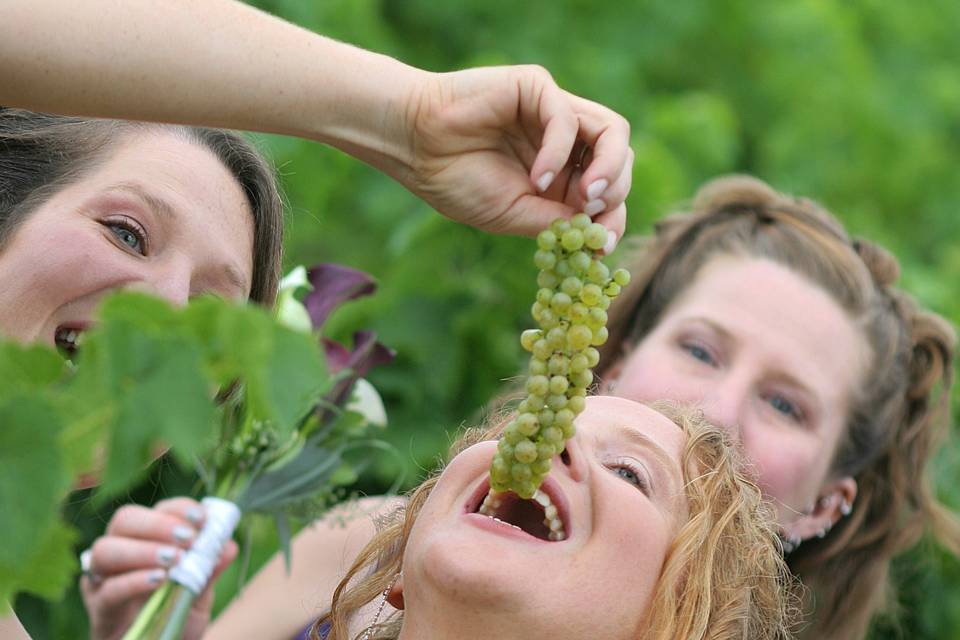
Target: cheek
634, 550
45, 269
790, 480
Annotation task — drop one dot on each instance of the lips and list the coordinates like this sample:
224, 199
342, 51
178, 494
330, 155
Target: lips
67, 338
545, 517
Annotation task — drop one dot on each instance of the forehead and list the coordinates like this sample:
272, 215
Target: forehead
618, 417
198, 201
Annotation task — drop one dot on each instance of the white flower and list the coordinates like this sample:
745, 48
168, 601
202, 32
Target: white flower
289, 311
367, 402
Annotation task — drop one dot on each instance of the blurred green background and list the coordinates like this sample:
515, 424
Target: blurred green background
855, 104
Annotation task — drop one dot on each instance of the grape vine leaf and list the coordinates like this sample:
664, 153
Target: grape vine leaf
145, 373
30, 456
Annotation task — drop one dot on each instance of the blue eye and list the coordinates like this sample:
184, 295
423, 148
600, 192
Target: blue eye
128, 235
627, 472
784, 406
699, 353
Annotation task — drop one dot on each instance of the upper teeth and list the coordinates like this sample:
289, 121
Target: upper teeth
551, 519
69, 335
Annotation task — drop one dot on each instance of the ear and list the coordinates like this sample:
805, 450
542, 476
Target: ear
395, 595
833, 503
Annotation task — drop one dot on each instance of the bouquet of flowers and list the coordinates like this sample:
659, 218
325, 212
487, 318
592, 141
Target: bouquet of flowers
264, 411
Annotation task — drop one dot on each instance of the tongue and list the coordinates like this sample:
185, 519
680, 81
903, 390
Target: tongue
527, 515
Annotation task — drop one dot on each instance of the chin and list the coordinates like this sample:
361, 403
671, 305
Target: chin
462, 568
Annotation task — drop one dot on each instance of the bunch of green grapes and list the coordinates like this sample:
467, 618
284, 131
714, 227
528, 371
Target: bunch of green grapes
576, 289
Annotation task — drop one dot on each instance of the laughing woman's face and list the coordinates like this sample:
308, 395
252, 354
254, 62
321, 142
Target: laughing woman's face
618, 496
161, 215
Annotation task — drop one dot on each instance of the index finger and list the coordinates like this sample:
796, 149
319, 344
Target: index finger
608, 135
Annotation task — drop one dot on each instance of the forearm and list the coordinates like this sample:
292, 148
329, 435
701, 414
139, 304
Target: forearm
216, 63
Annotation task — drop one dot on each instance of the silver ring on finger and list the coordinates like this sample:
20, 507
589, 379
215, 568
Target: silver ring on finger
86, 561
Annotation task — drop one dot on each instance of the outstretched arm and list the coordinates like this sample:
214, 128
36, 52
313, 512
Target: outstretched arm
504, 149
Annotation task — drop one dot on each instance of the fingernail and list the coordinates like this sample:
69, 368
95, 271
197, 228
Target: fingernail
183, 533
545, 180
166, 556
195, 515
611, 243
596, 188
594, 207
156, 576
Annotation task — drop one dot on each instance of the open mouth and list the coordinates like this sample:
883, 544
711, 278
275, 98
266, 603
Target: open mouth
67, 340
537, 517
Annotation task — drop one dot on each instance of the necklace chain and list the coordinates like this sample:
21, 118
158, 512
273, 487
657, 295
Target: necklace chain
383, 602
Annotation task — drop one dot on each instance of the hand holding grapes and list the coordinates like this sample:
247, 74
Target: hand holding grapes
506, 150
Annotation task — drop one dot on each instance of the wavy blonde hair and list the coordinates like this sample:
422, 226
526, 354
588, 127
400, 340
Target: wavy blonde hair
724, 577
898, 414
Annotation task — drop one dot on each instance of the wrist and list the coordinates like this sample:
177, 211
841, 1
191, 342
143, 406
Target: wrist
369, 107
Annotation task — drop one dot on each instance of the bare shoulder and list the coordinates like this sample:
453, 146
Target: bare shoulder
345, 529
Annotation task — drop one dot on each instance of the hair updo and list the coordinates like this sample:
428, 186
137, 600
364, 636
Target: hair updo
897, 413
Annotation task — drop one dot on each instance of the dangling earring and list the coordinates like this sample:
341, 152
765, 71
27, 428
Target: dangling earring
383, 602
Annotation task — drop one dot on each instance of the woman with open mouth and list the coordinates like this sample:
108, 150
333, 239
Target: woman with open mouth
646, 528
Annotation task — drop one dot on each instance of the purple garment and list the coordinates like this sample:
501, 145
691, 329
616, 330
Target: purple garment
305, 634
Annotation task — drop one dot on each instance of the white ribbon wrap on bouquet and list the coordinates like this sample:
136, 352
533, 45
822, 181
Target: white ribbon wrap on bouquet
196, 566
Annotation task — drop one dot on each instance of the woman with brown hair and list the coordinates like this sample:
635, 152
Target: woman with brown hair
662, 538
759, 307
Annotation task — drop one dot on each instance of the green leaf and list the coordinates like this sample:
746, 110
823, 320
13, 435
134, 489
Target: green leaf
142, 377
28, 368
279, 368
291, 375
344, 475
302, 476
282, 522
33, 477
47, 570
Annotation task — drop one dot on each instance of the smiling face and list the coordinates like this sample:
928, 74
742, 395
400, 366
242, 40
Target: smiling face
619, 493
765, 354
161, 214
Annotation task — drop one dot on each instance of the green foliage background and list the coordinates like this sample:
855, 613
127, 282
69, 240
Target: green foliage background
852, 103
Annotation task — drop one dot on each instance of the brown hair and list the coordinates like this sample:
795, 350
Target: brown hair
724, 577
41, 154
897, 415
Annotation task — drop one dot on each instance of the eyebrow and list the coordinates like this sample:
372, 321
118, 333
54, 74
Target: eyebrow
666, 470
780, 373
162, 207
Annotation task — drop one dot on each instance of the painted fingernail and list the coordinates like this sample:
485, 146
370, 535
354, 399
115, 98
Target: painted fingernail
195, 515
545, 180
184, 533
594, 207
611, 243
596, 188
156, 576
166, 556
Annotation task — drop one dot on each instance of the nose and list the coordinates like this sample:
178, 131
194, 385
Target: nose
172, 282
723, 405
572, 460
